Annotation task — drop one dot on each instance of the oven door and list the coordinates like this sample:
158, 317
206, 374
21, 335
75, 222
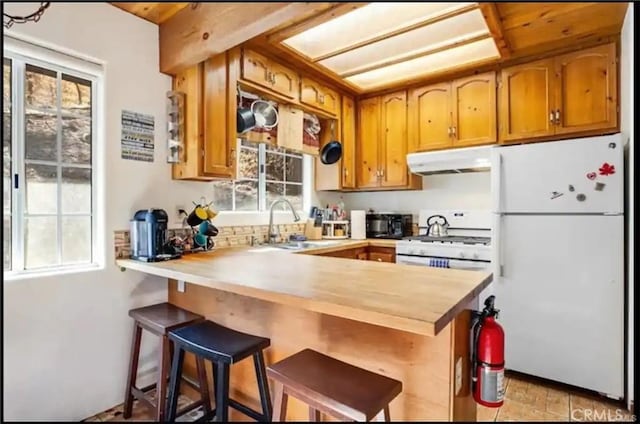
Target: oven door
443, 263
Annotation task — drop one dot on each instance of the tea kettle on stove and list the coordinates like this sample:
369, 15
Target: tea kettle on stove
437, 226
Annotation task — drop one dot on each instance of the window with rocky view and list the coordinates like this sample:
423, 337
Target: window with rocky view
265, 173
47, 166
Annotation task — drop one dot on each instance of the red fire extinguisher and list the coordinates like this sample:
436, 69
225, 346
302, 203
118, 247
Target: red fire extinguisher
487, 362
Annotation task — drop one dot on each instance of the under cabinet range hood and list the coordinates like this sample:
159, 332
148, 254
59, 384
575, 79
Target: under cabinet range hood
450, 161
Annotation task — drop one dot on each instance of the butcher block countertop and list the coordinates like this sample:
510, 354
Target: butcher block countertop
416, 299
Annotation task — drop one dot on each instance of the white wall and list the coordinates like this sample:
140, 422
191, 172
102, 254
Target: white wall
445, 191
67, 338
626, 126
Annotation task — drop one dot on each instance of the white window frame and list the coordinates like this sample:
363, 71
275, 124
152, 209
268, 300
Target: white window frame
307, 179
20, 53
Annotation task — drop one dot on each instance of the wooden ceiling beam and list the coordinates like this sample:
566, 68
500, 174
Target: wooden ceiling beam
492, 18
334, 12
203, 30
399, 31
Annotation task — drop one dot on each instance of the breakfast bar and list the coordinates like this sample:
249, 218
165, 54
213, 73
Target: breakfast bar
408, 323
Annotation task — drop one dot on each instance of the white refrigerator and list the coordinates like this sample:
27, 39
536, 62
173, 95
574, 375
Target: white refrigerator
558, 237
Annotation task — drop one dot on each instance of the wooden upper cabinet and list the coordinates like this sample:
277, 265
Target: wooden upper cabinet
527, 100
348, 142
575, 93
429, 117
586, 93
393, 151
319, 96
219, 144
190, 82
474, 110
270, 74
368, 135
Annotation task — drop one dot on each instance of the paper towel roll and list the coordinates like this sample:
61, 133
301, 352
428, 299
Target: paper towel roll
358, 225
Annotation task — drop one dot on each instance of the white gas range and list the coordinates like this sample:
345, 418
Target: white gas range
467, 244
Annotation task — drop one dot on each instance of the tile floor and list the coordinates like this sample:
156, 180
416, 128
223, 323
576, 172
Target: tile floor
526, 399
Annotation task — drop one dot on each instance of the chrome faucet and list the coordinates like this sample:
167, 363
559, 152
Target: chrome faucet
296, 218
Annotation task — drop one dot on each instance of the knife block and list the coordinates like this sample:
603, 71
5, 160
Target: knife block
311, 232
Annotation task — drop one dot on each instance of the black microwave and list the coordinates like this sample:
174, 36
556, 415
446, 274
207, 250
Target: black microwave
388, 226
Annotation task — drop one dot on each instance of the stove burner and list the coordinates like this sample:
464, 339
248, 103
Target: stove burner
451, 239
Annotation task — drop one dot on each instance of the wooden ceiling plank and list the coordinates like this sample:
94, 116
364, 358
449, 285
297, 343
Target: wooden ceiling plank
397, 32
152, 12
334, 12
492, 18
448, 46
592, 19
202, 30
522, 14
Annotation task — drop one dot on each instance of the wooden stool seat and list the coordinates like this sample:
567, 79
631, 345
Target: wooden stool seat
163, 317
223, 347
159, 319
328, 385
218, 343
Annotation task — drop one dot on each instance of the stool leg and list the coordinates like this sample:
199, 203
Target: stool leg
263, 385
174, 385
383, 415
133, 369
222, 392
314, 415
279, 403
203, 383
161, 387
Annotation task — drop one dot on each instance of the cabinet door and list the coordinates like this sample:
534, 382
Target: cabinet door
255, 68
348, 142
368, 140
190, 83
393, 149
219, 144
267, 73
319, 96
527, 98
284, 81
586, 92
474, 110
430, 117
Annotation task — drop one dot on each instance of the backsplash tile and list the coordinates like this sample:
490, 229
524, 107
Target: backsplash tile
230, 236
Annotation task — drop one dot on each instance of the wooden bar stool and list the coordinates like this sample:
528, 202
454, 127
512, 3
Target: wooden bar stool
159, 319
223, 347
328, 385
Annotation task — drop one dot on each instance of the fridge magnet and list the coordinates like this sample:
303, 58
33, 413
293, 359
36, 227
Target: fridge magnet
571, 188
581, 197
555, 194
599, 186
607, 169
612, 145
592, 175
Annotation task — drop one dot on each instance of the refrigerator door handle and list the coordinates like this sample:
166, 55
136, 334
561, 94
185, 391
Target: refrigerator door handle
496, 180
497, 242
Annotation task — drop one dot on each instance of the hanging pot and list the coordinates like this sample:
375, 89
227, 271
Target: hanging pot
245, 120
332, 151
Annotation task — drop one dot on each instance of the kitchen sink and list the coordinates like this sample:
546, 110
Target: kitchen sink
294, 245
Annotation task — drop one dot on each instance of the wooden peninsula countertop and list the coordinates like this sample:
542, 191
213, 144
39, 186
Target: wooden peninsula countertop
421, 300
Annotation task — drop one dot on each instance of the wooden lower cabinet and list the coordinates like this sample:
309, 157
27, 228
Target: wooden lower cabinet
356, 253
382, 254
371, 253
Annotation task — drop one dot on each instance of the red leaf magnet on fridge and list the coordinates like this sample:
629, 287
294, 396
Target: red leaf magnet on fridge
607, 169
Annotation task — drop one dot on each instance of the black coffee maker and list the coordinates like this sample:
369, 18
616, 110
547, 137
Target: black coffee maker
149, 236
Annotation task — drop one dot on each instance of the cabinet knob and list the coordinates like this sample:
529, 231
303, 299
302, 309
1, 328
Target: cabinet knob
453, 131
379, 260
551, 118
557, 116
